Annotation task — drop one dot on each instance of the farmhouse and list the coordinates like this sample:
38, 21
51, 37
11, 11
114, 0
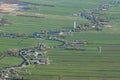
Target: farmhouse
40, 61
104, 7
75, 45
36, 53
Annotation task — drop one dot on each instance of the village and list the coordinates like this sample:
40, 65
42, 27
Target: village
30, 56
37, 55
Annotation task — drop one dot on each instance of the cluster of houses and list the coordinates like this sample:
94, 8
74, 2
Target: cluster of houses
9, 74
36, 55
52, 33
96, 22
75, 45
30, 56
102, 7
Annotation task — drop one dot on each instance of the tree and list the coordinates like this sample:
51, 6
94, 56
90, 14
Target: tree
12, 52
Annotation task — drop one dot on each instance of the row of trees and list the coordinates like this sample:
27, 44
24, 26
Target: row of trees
10, 52
14, 35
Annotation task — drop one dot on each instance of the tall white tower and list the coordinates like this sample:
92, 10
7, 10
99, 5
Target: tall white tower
74, 24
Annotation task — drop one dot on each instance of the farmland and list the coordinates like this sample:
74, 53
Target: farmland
89, 64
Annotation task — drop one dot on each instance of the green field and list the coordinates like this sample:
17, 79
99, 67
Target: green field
67, 64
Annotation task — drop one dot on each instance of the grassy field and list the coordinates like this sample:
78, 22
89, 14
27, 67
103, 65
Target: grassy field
9, 61
28, 25
68, 64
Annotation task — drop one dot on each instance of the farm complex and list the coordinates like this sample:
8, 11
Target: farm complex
59, 40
